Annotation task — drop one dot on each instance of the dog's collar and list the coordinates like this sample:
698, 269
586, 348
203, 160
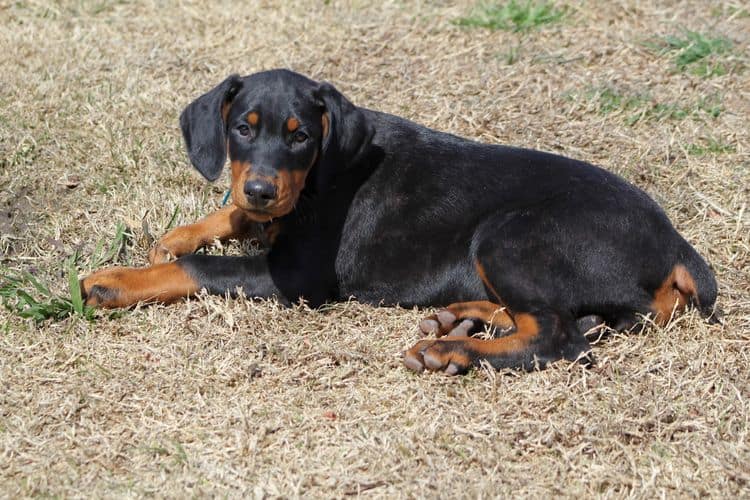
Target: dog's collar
226, 197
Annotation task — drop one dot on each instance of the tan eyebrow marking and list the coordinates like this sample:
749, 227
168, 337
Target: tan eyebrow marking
292, 124
252, 118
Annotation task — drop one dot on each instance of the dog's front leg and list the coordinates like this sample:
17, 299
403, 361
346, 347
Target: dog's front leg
171, 281
228, 222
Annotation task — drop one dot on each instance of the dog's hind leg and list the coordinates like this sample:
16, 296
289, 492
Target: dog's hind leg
540, 329
538, 335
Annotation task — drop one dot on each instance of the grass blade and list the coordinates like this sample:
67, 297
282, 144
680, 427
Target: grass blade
75, 289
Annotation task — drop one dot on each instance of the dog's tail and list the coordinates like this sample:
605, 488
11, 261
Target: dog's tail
697, 281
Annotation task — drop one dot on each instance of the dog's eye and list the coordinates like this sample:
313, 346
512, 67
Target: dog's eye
300, 137
243, 130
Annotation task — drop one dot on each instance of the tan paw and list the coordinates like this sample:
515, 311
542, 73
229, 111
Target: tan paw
104, 288
452, 356
176, 243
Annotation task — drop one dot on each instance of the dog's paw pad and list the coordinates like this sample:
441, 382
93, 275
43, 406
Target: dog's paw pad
441, 323
450, 356
446, 318
429, 326
462, 329
413, 363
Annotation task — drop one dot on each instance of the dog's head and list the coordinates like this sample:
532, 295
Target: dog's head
277, 126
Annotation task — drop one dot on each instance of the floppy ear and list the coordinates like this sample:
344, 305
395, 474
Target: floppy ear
349, 131
204, 127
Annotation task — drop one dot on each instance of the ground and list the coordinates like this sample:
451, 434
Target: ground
229, 397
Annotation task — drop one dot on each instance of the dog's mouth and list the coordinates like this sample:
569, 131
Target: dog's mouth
266, 214
266, 198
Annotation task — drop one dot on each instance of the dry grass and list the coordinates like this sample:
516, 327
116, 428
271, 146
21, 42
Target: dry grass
235, 398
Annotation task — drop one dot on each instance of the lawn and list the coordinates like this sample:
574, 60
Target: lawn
231, 397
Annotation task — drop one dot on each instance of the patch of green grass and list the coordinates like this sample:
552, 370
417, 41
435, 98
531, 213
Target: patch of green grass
696, 52
731, 11
640, 107
710, 146
659, 111
609, 100
100, 256
17, 295
512, 16
26, 296
711, 106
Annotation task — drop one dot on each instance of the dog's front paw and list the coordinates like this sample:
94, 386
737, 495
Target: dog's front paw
176, 243
104, 288
451, 355
160, 253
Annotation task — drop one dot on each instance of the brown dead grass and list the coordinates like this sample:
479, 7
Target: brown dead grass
218, 397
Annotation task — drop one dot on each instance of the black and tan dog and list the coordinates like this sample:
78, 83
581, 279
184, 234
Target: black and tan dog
365, 204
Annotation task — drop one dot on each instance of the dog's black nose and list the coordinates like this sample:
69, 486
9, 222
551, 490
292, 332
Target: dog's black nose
260, 193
